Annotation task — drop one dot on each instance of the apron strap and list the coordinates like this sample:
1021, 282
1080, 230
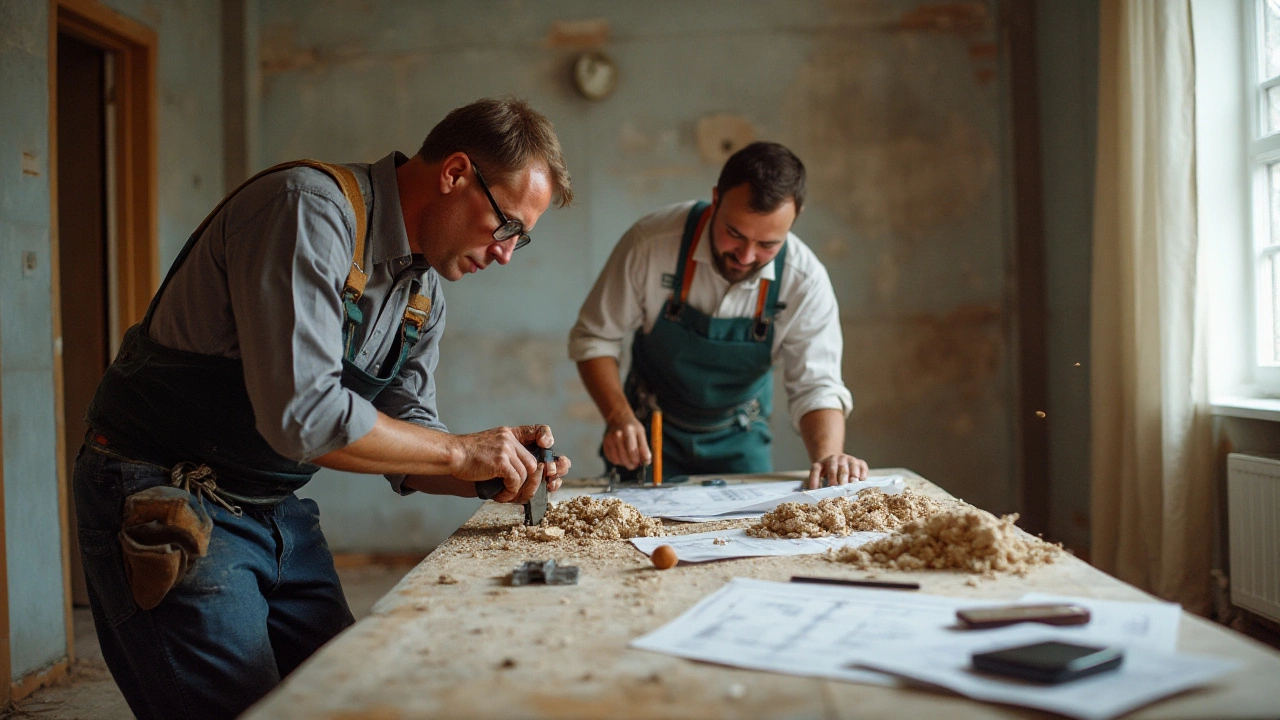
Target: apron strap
356, 278
417, 313
767, 303
685, 266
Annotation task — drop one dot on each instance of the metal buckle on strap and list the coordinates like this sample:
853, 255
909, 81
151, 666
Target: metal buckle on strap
760, 330
674, 308
416, 317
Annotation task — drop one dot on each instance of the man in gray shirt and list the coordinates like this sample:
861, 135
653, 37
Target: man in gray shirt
299, 328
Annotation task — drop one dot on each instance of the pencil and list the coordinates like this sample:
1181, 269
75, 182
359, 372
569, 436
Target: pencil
886, 584
655, 435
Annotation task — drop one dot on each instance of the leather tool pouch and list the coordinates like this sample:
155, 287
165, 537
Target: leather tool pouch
165, 529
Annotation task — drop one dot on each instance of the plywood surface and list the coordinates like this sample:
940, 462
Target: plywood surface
454, 640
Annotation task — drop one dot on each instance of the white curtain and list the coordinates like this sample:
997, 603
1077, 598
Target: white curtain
1152, 454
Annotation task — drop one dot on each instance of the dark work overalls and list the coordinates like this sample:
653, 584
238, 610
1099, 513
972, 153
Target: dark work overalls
265, 596
711, 377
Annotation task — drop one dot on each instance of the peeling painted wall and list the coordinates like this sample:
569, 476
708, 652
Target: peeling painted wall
190, 183
32, 531
897, 107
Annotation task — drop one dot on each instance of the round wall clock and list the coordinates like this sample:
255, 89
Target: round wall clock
595, 75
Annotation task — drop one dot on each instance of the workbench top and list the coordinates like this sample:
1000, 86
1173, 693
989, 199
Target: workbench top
454, 640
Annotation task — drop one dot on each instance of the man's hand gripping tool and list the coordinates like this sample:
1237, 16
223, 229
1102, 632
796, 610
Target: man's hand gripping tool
536, 508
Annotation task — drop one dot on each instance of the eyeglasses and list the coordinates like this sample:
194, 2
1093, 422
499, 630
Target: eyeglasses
509, 228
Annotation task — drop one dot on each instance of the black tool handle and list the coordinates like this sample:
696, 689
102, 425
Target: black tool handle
489, 489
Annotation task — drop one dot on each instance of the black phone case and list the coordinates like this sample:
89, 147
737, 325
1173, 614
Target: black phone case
1049, 662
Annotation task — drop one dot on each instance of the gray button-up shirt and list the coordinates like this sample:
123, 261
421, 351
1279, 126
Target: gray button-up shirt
264, 284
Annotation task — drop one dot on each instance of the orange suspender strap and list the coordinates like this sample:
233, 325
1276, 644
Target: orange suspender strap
419, 308
764, 295
689, 265
346, 180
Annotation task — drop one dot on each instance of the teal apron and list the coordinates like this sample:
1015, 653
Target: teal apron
164, 406
711, 377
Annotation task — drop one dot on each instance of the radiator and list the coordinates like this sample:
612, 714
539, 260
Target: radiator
1253, 517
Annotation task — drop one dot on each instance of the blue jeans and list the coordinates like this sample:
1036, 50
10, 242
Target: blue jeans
262, 600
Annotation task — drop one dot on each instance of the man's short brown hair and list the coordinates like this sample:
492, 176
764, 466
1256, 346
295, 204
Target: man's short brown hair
773, 173
502, 136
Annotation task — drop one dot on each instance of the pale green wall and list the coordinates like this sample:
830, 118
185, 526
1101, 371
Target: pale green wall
37, 631
190, 141
898, 108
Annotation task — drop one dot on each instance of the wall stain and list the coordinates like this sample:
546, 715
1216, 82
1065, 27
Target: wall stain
927, 360
578, 33
280, 53
983, 51
957, 18
880, 155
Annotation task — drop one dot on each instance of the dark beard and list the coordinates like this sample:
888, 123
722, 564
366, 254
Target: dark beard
717, 258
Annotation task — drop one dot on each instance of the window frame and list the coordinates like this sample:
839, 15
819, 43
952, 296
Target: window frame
1262, 150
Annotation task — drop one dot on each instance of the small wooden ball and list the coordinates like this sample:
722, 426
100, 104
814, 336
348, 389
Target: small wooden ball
664, 556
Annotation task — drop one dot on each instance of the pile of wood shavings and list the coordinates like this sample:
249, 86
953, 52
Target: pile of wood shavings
870, 511
589, 517
972, 540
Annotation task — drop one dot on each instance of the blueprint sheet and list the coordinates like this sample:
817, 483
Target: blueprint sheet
850, 633
745, 500
726, 544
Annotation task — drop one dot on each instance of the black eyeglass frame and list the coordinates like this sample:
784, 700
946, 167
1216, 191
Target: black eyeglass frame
509, 228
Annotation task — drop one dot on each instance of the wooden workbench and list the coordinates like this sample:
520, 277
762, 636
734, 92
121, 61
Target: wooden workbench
453, 640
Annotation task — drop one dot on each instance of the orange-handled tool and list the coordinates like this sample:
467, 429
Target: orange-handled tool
655, 437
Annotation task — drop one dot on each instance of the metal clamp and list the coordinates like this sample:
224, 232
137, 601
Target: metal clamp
544, 572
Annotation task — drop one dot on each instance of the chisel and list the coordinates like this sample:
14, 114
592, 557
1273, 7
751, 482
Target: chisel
536, 508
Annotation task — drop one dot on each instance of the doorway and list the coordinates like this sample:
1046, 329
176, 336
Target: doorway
85, 109
105, 250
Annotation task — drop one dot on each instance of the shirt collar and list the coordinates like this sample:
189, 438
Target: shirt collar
702, 254
386, 225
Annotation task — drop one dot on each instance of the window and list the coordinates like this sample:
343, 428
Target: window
1237, 148
1263, 89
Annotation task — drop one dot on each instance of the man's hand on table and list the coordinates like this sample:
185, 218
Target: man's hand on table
625, 442
836, 469
500, 453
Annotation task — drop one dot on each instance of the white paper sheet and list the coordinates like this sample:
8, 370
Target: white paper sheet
1144, 677
1149, 625
844, 633
799, 629
743, 500
702, 547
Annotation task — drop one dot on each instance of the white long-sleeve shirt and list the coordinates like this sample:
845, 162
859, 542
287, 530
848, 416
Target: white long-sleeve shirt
637, 280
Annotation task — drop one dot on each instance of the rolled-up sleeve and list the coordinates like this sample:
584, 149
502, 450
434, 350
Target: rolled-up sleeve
810, 352
285, 299
615, 306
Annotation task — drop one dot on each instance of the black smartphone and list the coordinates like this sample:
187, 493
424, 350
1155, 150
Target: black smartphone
1049, 662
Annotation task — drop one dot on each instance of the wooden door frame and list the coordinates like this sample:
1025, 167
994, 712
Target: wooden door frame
136, 227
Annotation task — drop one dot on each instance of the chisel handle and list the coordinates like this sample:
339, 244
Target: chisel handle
489, 489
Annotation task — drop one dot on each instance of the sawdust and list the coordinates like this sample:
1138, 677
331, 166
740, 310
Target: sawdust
971, 540
871, 510
590, 517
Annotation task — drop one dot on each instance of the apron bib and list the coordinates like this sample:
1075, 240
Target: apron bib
711, 377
